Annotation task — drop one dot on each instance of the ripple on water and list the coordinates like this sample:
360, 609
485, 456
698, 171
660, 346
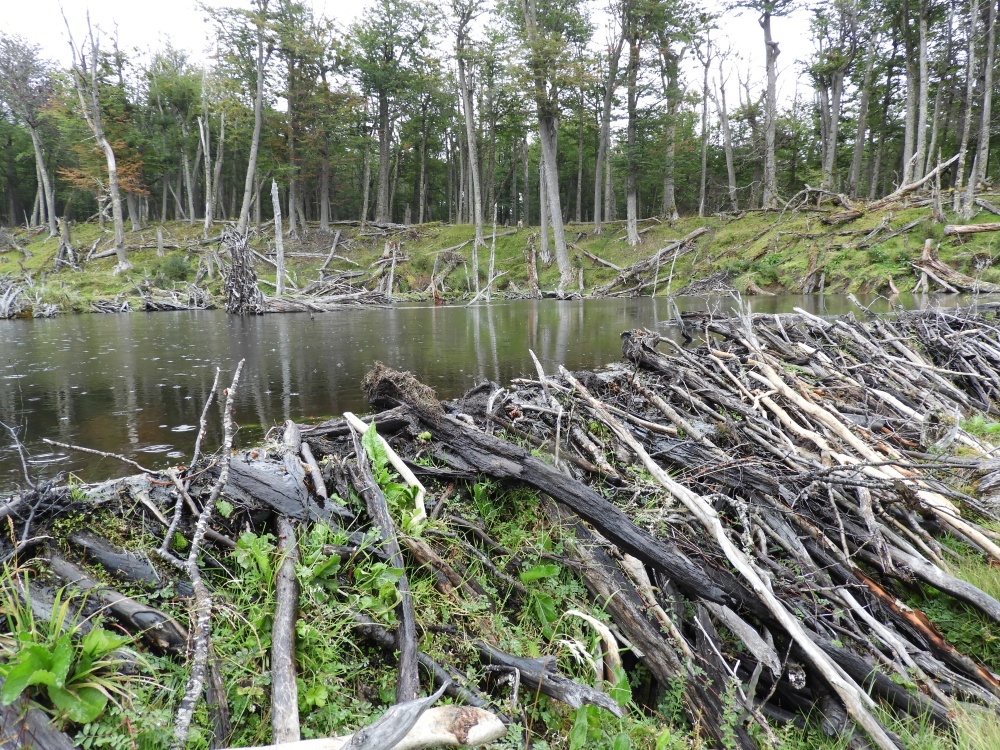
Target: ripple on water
183, 428
160, 448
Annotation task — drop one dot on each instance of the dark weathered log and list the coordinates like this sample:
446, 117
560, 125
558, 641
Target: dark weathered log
262, 482
841, 218
125, 565
284, 689
540, 675
627, 610
408, 684
153, 626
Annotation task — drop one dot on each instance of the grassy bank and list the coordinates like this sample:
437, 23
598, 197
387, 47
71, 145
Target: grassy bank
793, 251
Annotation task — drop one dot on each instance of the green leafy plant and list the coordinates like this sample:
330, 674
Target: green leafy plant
400, 498
76, 671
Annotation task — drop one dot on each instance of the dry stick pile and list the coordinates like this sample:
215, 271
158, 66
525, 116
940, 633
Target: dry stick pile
780, 483
794, 439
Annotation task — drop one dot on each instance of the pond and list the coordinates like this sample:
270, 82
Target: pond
136, 383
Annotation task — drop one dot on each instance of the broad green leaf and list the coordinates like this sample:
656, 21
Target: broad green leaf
374, 448
621, 692
622, 742
224, 507
19, 676
61, 658
81, 706
578, 734
538, 572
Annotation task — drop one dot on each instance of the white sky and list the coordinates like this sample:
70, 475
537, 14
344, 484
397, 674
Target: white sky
148, 25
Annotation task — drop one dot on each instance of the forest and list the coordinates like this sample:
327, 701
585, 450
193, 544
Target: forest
520, 111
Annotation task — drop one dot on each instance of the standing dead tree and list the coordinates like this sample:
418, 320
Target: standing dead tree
242, 295
87, 88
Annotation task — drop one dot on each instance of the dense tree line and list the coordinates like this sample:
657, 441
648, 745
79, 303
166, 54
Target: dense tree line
536, 111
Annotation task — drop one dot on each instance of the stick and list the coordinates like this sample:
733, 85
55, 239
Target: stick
858, 703
284, 690
408, 683
202, 614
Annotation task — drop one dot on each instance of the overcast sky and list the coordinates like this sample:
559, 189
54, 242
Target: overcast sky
148, 25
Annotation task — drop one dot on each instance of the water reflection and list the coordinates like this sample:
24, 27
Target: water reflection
136, 384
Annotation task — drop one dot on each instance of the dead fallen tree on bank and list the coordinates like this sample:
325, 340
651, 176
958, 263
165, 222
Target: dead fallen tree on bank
789, 483
633, 279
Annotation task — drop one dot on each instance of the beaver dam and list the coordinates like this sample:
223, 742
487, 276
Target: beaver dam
787, 531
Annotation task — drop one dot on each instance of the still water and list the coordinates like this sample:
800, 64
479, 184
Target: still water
135, 384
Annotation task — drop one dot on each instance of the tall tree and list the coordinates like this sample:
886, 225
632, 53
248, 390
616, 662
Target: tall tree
549, 32
25, 87
611, 63
986, 111
835, 29
85, 79
464, 13
766, 10
389, 43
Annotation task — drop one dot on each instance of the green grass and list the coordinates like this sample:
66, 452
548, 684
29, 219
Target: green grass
756, 248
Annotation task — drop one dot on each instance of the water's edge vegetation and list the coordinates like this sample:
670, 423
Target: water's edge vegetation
804, 250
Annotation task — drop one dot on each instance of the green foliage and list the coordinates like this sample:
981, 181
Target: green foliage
400, 498
77, 671
981, 426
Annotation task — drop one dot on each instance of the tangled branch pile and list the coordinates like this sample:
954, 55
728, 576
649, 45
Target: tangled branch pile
748, 518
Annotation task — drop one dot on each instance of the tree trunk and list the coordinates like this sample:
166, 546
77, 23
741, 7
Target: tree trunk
279, 241
188, 179
579, 165
831, 115
44, 182
970, 85
979, 163
366, 180
727, 140
703, 186
769, 199
384, 159
604, 145
854, 177
421, 216
258, 119
547, 106
134, 211
470, 139
920, 154
632, 133
543, 217
324, 186
526, 215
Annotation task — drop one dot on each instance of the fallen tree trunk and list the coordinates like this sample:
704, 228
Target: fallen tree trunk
959, 229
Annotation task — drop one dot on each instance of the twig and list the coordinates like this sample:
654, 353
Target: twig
95, 452
202, 615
